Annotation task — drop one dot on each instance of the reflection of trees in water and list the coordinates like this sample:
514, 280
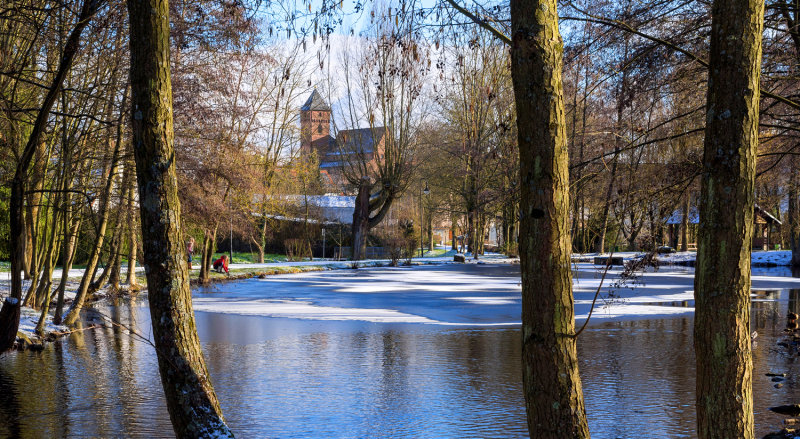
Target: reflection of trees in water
35, 394
9, 415
794, 300
766, 315
123, 314
638, 376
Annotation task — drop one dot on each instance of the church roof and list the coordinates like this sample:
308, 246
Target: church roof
360, 140
315, 103
351, 144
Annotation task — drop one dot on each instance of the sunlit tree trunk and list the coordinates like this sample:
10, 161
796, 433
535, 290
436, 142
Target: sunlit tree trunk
132, 233
191, 401
68, 252
551, 383
722, 280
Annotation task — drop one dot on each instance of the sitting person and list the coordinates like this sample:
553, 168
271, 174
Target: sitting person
221, 264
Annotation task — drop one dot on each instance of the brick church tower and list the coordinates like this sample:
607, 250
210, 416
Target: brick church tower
315, 125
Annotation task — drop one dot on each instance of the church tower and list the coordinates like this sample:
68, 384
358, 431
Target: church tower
315, 125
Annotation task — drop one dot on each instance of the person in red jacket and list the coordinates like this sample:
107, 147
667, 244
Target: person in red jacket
221, 264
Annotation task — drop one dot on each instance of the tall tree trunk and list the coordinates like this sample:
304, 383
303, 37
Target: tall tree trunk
601, 243
10, 313
108, 268
453, 232
116, 265
191, 401
551, 383
34, 201
40, 278
722, 280
685, 224
42, 294
132, 233
794, 211
361, 220
68, 253
209, 244
133, 244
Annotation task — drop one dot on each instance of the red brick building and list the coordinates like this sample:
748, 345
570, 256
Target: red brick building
360, 145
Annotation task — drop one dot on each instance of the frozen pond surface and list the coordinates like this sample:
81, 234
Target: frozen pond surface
424, 352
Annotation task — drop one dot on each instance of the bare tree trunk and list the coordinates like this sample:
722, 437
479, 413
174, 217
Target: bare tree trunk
361, 220
551, 383
42, 294
209, 243
68, 253
794, 211
722, 280
191, 401
43, 291
116, 265
132, 233
131, 279
453, 245
685, 224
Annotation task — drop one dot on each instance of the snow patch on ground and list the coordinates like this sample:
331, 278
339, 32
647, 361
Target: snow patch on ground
30, 317
488, 300
758, 257
305, 310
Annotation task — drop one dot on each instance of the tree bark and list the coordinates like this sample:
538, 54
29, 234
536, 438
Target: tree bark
131, 279
116, 265
68, 253
209, 244
551, 383
132, 234
794, 211
191, 401
361, 220
722, 280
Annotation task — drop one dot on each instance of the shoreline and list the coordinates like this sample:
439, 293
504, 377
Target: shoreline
27, 338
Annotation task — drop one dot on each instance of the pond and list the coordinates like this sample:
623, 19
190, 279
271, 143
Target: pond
414, 353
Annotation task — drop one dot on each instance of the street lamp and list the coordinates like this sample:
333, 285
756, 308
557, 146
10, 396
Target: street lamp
425, 191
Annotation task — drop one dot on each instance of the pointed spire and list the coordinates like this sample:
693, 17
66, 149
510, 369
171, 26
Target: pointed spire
315, 103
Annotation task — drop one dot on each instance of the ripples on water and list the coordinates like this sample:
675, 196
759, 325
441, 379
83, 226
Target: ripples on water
290, 378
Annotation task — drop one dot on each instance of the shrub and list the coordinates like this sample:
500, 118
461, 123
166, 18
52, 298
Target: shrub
297, 249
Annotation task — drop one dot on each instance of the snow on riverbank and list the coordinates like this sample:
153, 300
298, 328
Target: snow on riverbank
663, 293
759, 258
30, 317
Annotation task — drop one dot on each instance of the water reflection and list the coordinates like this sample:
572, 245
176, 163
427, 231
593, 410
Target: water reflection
289, 378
